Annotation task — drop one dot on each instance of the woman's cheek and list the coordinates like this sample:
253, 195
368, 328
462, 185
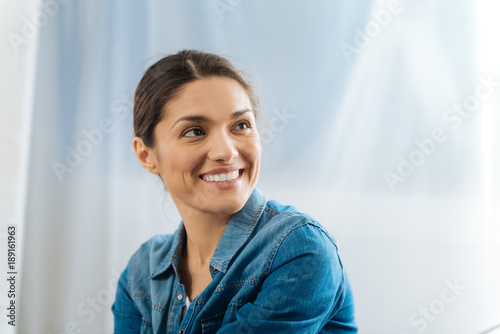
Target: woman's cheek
251, 152
257, 146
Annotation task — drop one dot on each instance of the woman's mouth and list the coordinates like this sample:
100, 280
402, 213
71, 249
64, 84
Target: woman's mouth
223, 180
223, 177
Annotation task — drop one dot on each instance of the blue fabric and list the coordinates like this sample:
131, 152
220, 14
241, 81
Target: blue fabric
274, 270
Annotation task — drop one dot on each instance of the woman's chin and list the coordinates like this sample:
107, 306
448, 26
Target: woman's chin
226, 208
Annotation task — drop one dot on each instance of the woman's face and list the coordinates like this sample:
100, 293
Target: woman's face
208, 135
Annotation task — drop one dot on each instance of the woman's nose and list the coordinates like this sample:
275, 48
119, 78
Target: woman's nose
222, 147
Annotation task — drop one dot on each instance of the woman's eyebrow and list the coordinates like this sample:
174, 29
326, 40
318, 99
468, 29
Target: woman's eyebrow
238, 113
204, 119
193, 118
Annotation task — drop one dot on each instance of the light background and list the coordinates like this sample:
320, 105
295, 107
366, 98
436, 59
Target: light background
351, 119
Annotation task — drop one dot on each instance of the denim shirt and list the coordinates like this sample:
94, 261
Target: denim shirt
274, 270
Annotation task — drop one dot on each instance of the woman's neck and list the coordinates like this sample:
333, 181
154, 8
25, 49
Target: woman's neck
203, 232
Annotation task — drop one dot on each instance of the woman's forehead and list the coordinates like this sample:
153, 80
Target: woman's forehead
212, 97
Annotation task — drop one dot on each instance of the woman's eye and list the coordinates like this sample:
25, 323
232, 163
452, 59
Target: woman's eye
243, 125
193, 133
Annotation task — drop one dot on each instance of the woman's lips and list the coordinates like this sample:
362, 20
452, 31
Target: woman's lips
224, 184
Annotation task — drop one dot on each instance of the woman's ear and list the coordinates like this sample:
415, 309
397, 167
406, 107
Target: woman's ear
146, 156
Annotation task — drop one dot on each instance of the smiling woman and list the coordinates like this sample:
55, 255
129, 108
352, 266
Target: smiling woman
238, 263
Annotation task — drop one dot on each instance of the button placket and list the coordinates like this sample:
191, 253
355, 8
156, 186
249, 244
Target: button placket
180, 297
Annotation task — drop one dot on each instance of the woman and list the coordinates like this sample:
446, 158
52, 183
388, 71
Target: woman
238, 263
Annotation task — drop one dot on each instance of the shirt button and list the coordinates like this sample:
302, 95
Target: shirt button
180, 296
214, 270
181, 331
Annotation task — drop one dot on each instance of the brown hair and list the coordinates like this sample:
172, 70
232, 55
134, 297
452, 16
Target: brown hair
164, 79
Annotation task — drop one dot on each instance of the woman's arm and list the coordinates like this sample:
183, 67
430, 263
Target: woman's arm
304, 292
128, 319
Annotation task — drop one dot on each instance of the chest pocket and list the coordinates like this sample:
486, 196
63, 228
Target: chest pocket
213, 323
146, 326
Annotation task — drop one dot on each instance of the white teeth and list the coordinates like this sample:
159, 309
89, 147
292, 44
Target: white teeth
228, 177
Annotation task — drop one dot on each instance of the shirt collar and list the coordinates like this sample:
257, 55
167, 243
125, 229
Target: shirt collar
173, 254
238, 228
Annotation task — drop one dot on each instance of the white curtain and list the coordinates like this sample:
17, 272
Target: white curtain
378, 120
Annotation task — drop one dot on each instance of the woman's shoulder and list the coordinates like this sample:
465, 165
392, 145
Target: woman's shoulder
287, 236
285, 233
151, 254
287, 218
156, 246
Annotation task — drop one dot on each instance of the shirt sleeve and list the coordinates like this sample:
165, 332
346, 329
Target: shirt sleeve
303, 292
127, 317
